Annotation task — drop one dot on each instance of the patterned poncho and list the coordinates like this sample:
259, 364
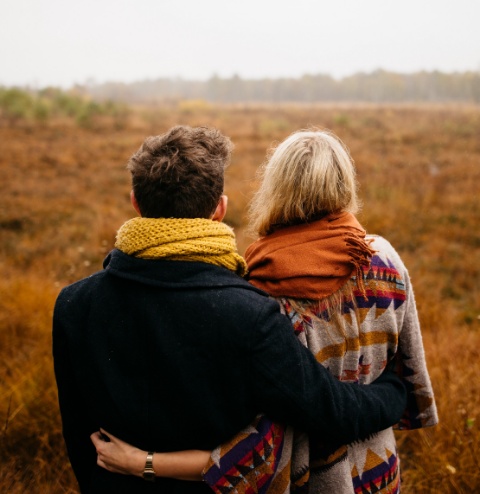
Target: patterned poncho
379, 328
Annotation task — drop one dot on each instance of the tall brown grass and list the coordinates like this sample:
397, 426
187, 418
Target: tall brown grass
65, 192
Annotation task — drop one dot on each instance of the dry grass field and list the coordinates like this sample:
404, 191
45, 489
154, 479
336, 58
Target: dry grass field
65, 192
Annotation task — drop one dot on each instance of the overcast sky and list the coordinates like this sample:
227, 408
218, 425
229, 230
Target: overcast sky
61, 42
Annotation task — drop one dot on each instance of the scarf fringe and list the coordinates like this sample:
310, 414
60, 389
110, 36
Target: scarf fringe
360, 255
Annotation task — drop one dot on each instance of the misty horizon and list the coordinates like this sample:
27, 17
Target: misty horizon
56, 43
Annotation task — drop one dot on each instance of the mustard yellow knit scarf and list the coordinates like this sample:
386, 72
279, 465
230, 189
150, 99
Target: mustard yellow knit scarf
181, 240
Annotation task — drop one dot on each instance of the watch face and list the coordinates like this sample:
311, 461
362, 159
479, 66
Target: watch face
149, 474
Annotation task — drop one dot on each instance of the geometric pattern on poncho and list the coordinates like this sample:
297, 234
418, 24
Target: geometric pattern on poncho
380, 477
251, 458
377, 335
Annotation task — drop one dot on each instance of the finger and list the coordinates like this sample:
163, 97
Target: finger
107, 436
110, 436
95, 438
103, 464
104, 436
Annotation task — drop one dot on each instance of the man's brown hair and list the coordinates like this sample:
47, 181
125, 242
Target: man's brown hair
180, 174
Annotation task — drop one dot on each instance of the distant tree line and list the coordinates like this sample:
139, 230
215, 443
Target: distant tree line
88, 104
378, 87
22, 105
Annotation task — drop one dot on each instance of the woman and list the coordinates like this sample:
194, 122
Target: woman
350, 301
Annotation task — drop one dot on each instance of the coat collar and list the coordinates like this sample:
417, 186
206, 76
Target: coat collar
173, 274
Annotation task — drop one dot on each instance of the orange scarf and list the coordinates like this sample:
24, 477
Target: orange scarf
312, 260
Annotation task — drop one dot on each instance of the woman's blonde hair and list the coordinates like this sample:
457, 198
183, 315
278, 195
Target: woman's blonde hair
308, 175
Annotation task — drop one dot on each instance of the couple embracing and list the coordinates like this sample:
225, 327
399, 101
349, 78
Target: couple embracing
184, 368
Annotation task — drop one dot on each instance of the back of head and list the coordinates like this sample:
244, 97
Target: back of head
180, 174
309, 175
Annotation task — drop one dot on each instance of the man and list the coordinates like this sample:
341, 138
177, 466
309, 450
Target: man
170, 349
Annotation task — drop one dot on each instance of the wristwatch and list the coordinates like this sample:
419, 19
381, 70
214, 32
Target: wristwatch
148, 471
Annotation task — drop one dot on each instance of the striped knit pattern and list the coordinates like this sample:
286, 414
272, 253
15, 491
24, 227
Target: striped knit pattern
379, 328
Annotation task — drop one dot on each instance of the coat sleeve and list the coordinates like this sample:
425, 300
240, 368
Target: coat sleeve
411, 366
291, 387
75, 423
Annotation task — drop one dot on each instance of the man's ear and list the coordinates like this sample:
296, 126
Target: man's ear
134, 202
221, 210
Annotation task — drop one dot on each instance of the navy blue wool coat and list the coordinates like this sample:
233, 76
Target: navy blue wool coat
172, 355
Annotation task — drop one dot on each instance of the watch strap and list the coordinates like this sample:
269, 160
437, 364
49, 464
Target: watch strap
148, 471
